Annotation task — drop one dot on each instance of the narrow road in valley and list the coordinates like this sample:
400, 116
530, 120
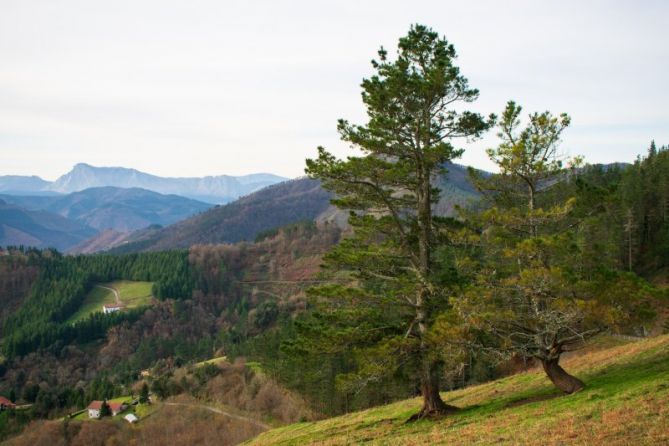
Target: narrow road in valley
115, 291
222, 412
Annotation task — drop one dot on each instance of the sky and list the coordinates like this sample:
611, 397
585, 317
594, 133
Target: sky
195, 88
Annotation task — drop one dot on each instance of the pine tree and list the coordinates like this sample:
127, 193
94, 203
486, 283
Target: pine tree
144, 394
105, 410
392, 290
528, 295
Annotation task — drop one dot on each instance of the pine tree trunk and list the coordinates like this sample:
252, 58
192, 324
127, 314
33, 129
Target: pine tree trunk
562, 380
433, 405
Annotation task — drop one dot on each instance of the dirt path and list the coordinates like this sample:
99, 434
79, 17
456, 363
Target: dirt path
115, 291
222, 412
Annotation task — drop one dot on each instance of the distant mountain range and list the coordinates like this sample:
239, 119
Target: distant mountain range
211, 189
114, 208
134, 219
42, 229
272, 207
269, 208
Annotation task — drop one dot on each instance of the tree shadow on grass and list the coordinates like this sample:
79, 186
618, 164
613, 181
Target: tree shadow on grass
533, 399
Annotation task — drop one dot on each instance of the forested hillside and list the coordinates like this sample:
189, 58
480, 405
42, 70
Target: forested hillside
270, 208
244, 300
40, 229
62, 284
121, 209
18, 272
275, 206
644, 211
213, 296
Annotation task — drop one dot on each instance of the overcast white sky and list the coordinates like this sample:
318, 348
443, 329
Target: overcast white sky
192, 88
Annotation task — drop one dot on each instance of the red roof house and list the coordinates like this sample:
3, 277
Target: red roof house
95, 406
6, 404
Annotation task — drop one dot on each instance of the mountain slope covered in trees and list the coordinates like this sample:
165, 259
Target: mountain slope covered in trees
38, 228
271, 208
120, 209
60, 367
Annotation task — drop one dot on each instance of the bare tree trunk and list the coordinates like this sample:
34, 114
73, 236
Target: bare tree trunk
558, 376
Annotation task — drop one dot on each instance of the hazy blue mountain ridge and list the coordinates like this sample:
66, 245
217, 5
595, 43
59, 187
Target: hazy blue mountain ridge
272, 207
38, 228
114, 208
211, 189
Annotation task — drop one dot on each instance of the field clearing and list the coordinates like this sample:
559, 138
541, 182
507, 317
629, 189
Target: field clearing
132, 294
213, 361
93, 303
142, 411
83, 416
626, 402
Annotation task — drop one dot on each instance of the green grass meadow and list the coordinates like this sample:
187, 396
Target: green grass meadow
626, 402
132, 294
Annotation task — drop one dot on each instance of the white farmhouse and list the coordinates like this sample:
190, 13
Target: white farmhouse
111, 308
94, 409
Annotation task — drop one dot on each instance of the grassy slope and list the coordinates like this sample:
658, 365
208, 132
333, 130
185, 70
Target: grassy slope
133, 294
626, 402
93, 303
213, 361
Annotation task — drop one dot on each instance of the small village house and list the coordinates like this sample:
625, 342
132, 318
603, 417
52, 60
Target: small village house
95, 407
6, 404
111, 308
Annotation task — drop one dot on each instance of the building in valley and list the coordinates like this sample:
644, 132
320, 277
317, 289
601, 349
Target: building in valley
6, 404
95, 408
111, 308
